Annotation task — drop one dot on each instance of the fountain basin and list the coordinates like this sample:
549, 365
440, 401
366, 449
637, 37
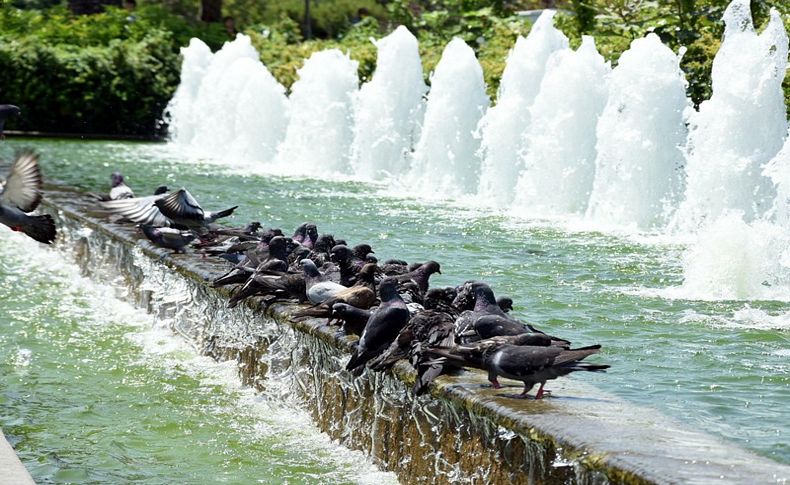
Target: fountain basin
462, 432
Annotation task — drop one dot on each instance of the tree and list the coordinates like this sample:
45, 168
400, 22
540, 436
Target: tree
81, 7
211, 10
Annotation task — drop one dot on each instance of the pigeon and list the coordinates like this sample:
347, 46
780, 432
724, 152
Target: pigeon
343, 256
352, 319
7, 111
261, 255
505, 303
432, 327
20, 194
361, 295
300, 233
119, 188
182, 208
311, 236
383, 327
527, 363
140, 210
486, 319
421, 275
168, 237
317, 287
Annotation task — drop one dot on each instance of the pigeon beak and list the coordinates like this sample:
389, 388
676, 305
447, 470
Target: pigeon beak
439, 271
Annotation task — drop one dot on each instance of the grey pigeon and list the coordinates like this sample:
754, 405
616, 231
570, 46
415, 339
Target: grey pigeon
7, 111
20, 194
529, 364
168, 237
182, 208
487, 319
318, 288
352, 319
119, 188
383, 327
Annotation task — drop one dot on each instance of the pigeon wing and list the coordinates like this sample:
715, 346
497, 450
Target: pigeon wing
181, 205
23, 185
139, 209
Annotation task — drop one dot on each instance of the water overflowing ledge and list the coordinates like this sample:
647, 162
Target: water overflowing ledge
462, 432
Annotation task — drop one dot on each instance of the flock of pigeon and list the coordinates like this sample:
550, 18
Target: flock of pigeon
390, 306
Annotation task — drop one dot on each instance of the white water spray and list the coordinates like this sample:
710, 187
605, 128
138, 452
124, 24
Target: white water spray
234, 109
446, 161
179, 113
639, 164
741, 127
503, 125
319, 135
559, 159
389, 109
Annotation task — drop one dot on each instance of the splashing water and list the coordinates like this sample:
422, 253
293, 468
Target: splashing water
319, 136
446, 161
239, 111
503, 125
741, 126
389, 109
558, 142
559, 156
639, 165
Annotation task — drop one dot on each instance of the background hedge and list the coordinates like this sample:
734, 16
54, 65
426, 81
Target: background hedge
112, 74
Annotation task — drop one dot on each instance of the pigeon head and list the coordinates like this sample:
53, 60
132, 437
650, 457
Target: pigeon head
341, 254
310, 269
300, 232
116, 179
371, 259
362, 250
431, 267
505, 303
483, 294
277, 245
324, 244
162, 189
339, 309
388, 289
312, 232
290, 244
252, 227
300, 253
270, 234
341, 242
367, 273
6, 111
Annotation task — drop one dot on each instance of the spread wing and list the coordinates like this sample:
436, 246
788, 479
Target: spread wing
181, 205
23, 186
138, 209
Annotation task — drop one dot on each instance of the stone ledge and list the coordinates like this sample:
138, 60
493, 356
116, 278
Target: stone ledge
464, 431
11, 469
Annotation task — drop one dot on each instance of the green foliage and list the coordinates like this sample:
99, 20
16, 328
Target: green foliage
90, 74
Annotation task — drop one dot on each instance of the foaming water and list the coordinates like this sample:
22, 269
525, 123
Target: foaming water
445, 158
231, 108
503, 125
148, 405
559, 146
320, 134
640, 135
742, 125
389, 109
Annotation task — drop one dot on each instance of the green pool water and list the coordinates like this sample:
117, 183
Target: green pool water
88, 393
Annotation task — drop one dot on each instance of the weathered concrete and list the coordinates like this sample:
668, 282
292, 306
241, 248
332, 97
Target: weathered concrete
11, 469
463, 432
